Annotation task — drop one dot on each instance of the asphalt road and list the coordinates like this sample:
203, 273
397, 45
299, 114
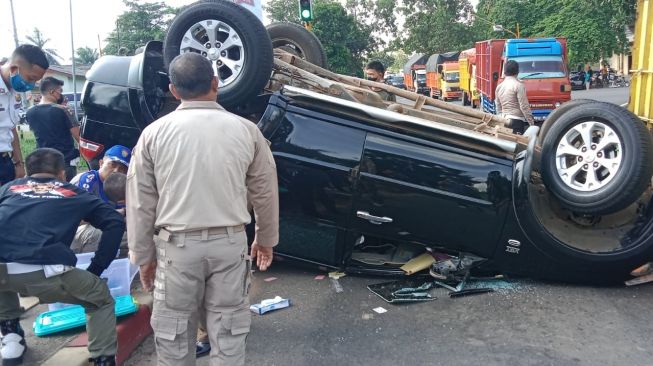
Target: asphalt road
525, 322
612, 95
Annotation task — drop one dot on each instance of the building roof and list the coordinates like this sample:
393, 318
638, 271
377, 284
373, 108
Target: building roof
80, 70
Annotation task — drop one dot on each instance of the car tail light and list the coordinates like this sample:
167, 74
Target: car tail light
89, 149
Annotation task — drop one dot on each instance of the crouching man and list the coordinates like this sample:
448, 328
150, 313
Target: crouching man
39, 215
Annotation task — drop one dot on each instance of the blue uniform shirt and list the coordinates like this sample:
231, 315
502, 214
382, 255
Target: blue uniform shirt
91, 183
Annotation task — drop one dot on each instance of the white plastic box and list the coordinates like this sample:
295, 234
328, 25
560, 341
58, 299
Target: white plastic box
119, 275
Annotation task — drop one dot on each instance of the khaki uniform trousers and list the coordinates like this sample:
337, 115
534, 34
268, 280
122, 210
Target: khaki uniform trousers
76, 286
201, 273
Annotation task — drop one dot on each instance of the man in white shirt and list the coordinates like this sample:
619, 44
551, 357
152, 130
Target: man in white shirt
27, 66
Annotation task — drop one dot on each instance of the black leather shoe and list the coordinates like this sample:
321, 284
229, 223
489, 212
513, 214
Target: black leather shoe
103, 361
202, 349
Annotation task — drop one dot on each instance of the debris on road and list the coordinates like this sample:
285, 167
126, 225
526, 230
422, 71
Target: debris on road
380, 310
336, 285
643, 274
471, 291
403, 291
419, 263
336, 275
269, 304
270, 279
320, 277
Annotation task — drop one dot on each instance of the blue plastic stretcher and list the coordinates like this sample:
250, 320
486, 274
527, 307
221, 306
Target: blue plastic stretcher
56, 321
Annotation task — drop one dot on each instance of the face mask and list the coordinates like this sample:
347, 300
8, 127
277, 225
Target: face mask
20, 85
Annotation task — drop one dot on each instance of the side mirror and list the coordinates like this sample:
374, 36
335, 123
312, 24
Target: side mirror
495, 76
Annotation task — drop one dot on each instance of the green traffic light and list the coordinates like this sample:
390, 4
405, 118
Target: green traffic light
306, 14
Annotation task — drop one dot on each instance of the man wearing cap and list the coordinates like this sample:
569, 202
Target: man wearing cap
115, 160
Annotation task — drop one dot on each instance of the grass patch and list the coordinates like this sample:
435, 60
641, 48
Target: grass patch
28, 144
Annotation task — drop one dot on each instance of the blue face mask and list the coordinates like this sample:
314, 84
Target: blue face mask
20, 85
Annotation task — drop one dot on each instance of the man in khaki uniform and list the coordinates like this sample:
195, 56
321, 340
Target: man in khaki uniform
511, 100
190, 179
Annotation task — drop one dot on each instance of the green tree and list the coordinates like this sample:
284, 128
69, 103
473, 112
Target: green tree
377, 15
400, 59
141, 23
38, 39
594, 29
86, 56
345, 40
385, 57
436, 26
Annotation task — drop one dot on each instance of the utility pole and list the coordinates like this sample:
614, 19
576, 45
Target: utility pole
13, 21
72, 46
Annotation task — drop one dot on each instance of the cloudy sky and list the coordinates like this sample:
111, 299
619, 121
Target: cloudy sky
90, 19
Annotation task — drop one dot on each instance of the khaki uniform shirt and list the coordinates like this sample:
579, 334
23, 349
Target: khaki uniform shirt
512, 101
197, 168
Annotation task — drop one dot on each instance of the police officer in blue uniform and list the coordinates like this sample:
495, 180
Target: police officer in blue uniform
116, 159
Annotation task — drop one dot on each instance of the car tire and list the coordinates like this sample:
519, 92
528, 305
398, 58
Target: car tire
297, 38
617, 158
250, 53
466, 100
553, 116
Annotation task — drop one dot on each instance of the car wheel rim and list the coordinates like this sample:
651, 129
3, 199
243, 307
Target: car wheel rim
589, 156
220, 44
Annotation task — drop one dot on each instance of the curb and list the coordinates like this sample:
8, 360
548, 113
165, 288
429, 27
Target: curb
130, 331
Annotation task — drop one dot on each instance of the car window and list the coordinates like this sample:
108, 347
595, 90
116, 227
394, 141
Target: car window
318, 140
109, 103
427, 167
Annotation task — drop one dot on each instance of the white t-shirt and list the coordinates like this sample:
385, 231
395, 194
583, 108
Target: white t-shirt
8, 116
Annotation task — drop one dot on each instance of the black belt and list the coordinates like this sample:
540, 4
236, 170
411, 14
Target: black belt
5, 155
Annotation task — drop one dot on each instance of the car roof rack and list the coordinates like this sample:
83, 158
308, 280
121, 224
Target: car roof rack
295, 75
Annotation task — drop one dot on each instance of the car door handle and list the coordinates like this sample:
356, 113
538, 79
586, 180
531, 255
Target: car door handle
376, 220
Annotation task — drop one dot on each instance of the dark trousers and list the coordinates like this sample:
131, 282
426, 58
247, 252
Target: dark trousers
518, 126
7, 169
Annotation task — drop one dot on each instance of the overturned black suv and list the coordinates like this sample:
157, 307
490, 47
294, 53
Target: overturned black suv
365, 185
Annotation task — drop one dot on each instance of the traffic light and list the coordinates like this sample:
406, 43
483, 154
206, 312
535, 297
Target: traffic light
305, 10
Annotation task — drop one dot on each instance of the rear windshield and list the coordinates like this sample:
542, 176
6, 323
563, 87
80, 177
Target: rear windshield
540, 67
421, 77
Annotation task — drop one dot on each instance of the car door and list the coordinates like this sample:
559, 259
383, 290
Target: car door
415, 190
315, 159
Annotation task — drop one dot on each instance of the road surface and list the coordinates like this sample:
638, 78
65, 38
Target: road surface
524, 322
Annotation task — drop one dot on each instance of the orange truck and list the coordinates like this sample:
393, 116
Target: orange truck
443, 76
467, 67
542, 69
415, 74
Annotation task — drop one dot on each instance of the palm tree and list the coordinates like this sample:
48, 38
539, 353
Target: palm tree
39, 40
86, 56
